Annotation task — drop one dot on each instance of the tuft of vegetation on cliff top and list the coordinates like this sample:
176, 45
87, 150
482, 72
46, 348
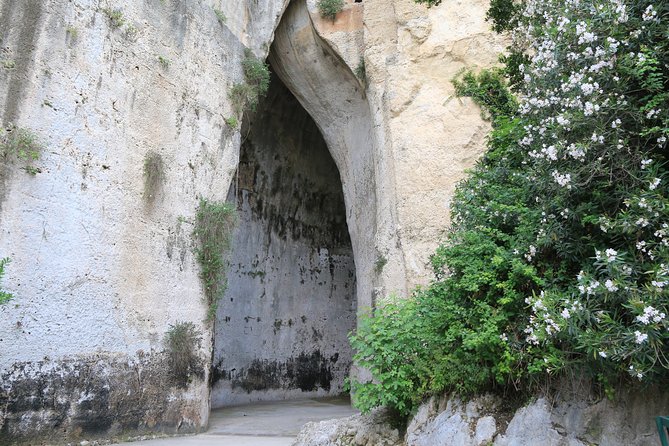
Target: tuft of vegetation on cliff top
557, 261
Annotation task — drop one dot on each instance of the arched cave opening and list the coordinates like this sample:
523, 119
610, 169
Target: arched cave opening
282, 326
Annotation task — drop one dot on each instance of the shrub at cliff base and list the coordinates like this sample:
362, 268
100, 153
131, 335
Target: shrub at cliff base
557, 262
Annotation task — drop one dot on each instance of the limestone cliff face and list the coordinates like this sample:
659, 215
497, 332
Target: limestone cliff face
99, 270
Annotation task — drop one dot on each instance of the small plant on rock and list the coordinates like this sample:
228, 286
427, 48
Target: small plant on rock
360, 71
429, 2
257, 76
182, 342
164, 62
232, 122
330, 8
220, 16
154, 172
20, 144
115, 16
4, 296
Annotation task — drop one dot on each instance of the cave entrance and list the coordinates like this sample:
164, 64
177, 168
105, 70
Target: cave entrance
282, 326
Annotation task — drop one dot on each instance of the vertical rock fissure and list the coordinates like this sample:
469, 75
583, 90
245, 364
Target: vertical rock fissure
282, 327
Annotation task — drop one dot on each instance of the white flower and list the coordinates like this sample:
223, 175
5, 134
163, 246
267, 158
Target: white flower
611, 255
504, 337
645, 163
652, 113
640, 337
610, 286
654, 183
562, 179
565, 314
603, 354
651, 314
649, 14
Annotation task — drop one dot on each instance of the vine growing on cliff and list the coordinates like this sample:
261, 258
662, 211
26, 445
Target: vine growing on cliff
557, 262
214, 223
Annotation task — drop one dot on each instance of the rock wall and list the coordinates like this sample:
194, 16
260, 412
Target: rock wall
282, 325
99, 270
571, 417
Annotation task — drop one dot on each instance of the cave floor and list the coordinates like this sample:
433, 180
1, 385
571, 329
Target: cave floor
260, 424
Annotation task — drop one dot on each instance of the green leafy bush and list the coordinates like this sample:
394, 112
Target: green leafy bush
214, 223
20, 144
329, 9
4, 296
557, 259
182, 343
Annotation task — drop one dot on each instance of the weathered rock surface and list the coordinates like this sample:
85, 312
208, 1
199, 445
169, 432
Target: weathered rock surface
374, 429
567, 419
100, 268
291, 283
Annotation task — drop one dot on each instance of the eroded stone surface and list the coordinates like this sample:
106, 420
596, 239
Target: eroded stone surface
94, 396
571, 417
282, 326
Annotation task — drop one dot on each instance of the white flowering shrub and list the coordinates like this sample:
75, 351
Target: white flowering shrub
595, 114
558, 258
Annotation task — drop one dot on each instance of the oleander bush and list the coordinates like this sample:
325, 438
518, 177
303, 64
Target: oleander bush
557, 261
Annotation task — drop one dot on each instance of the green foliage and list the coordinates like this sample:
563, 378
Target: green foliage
182, 342
20, 144
398, 348
154, 173
488, 89
72, 32
220, 16
164, 62
232, 122
380, 262
556, 261
8, 64
329, 9
4, 296
213, 233
256, 73
503, 14
248, 94
429, 3
115, 16
360, 71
